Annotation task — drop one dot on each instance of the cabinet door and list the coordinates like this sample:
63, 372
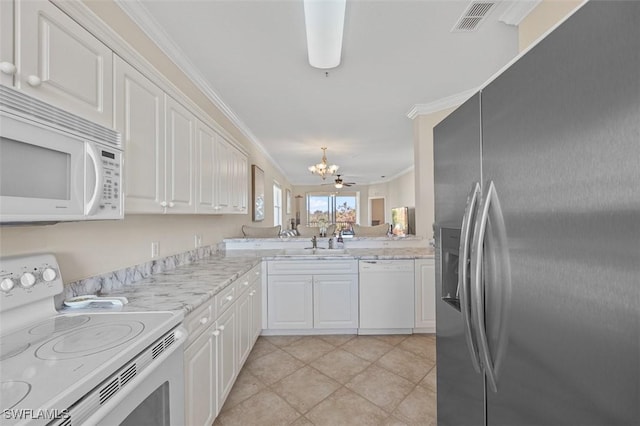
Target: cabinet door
200, 377
140, 119
227, 353
425, 295
6, 43
239, 190
61, 63
290, 301
205, 169
179, 158
245, 326
335, 301
222, 176
256, 304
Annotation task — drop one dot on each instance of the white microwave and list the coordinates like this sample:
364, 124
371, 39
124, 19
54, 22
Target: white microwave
55, 166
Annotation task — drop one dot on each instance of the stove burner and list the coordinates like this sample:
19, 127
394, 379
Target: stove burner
13, 392
8, 350
89, 340
58, 324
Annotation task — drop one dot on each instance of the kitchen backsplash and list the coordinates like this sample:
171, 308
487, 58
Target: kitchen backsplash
106, 283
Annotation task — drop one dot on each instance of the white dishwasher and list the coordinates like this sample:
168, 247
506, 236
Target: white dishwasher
386, 296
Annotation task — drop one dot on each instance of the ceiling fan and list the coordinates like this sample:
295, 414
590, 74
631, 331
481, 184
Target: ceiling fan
339, 183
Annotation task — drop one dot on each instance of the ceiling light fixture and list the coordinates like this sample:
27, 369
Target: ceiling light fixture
323, 169
324, 20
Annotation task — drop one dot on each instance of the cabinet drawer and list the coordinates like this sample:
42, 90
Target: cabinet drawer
199, 320
245, 281
226, 297
316, 267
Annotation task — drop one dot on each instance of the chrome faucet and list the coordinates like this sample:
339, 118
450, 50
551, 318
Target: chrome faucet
314, 242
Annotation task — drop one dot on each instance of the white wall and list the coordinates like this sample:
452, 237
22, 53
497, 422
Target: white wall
423, 153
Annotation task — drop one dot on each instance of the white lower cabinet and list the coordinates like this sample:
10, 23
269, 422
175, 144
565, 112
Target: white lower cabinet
221, 336
256, 309
321, 294
249, 314
200, 395
425, 287
290, 301
335, 301
227, 354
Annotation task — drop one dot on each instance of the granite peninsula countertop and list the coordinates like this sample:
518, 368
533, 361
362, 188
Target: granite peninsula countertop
187, 287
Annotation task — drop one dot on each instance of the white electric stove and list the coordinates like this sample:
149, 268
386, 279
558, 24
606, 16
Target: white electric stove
76, 368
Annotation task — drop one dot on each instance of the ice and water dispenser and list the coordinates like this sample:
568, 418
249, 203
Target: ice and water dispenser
450, 246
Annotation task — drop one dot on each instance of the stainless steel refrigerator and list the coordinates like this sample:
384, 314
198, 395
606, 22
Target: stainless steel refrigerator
537, 198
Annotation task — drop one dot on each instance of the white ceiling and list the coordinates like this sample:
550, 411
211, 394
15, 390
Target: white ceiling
251, 55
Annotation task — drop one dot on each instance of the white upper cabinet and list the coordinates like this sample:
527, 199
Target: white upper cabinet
139, 117
231, 186
223, 175
179, 158
7, 62
206, 140
159, 137
61, 63
240, 182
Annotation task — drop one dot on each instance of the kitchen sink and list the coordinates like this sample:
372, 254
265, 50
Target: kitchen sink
315, 252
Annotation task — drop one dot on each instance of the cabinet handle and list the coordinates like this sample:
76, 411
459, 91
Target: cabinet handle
34, 80
7, 68
252, 293
204, 320
221, 328
215, 333
163, 204
246, 283
229, 298
172, 204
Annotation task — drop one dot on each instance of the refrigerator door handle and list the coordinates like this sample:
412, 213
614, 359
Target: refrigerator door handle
477, 285
463, 274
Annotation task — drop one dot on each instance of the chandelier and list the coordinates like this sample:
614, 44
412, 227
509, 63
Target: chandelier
323, 169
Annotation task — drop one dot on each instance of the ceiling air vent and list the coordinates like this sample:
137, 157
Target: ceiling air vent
473, 16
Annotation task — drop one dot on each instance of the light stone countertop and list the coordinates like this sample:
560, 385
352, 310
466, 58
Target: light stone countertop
187, 287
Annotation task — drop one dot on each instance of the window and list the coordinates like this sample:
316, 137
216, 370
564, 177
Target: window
326, 208
277, 204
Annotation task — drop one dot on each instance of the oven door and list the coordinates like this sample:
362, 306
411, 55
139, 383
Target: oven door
153, 398
42, 172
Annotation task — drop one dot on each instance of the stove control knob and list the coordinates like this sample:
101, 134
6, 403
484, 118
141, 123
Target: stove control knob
27, 280
7, 285
49, 274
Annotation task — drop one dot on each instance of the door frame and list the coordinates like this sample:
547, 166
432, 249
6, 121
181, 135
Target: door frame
384, 208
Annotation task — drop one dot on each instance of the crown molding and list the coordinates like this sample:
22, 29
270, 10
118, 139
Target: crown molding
440, 104
141, 17
394, 177
517, 11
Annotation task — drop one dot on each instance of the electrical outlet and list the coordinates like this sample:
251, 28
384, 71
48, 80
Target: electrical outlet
197, 239
155, 249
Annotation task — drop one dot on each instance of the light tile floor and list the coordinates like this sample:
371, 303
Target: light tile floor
335, 380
